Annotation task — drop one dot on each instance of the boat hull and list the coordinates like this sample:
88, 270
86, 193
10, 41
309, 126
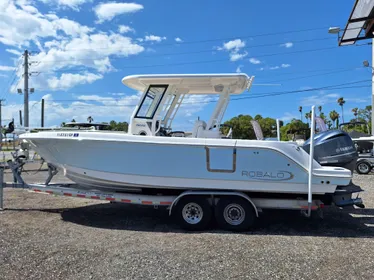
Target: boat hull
132, 163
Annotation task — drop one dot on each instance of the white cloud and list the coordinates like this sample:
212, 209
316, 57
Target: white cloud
68, 80
30, 9
357, 100
88, 51
193, 104
237, 56
287, 45
283, 65
331, 98
125, 29
101, 109
13, 51
239, 69
289, 116
234, 45
154, 38
254, 60
319, 99
178, 40
150, 50
107, 11
6, 68
72, 4
14, 31
71, 28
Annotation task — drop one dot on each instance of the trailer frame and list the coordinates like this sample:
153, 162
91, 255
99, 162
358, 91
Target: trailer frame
168, 201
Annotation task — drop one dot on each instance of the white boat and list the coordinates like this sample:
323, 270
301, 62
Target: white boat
152, 157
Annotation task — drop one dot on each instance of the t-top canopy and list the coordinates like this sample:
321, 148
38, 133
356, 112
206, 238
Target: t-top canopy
361, 19
193, 83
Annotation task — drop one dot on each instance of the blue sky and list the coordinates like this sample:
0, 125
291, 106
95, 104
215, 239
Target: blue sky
82, 49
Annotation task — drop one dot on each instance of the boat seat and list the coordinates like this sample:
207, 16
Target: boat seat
198, 129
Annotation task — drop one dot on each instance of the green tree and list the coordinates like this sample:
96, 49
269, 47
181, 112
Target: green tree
268, 126
320, 110
301, 113
295, 127
120, 126
364, 115
308, 116
322, 116
90, 119
341, 103
334, 116
258, 117
73, 120
241, 127
329, 123
63, 124
355, 112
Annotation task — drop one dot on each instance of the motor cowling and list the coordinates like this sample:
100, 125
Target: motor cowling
334, 148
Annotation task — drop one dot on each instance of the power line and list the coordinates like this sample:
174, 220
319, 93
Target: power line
201, 51
194, 62
316, 75
229, 38
333, 87
11, 80
282, 80
202, 61
259, 95
332, 70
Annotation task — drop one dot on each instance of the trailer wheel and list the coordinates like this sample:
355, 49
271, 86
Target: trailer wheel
363, 167
193, 212
234, 213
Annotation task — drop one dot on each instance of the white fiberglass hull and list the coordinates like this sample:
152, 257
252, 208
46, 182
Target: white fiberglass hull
125, 162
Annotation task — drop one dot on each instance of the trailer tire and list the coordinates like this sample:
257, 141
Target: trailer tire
234, 213
193, 212
363, 167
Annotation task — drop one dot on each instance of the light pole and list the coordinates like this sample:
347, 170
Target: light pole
336, 30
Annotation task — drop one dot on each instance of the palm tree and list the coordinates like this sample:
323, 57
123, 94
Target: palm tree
341, 102
90, 119
308, 116
63, 124
73, 120
320, 110
334, 116
329, 124
301, 112
355, 112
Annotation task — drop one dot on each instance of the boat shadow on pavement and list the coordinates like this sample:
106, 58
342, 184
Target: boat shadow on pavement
351, 222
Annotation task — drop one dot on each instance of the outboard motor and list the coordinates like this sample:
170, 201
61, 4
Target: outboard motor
334, 148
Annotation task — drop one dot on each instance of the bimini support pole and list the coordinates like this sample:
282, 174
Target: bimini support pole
278, 130
311, 158
1, 188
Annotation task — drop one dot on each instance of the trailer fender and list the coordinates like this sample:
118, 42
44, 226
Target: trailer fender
212, 194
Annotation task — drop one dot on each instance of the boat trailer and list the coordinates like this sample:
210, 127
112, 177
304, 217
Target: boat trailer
239, 200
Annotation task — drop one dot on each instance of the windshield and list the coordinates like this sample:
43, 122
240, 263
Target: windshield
151, 101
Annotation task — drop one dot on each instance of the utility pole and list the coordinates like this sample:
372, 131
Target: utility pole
20, 117
42, 116
1, 126
372, 87
26, 88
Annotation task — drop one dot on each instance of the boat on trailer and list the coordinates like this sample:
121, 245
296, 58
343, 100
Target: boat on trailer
153, 159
